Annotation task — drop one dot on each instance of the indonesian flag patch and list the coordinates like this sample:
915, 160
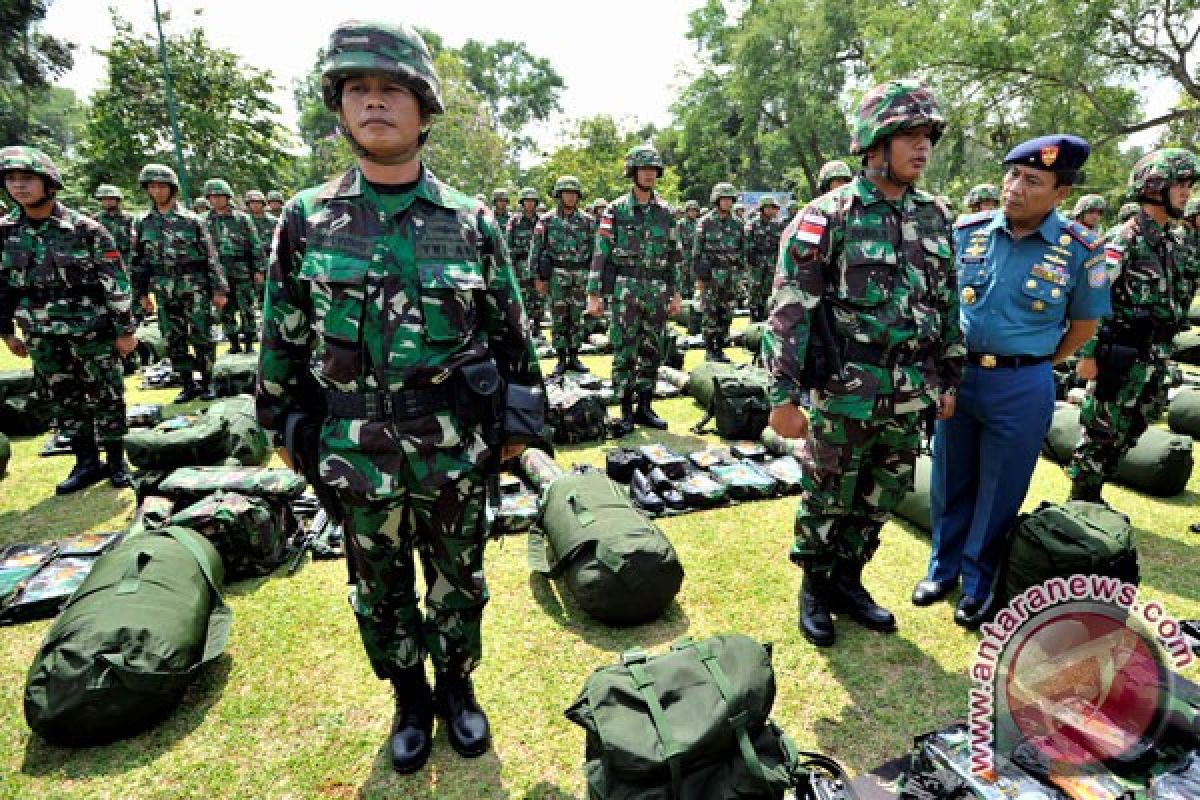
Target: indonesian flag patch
606, 224
1112, 254
811, 228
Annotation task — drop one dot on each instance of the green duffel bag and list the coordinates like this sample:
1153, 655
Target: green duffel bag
250, 533
1187, 347
915, 506
1183, 415
191, 484
247, 442
740, 402
235, 374
691, 723
619, 566
119, 657
5, 454
181, 441
1058, 541
752, 337
1160, 464
21, 412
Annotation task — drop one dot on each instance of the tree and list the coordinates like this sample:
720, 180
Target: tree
226, 116
29, 60
518, 87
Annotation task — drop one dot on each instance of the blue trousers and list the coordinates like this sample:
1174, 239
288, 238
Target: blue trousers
983, 460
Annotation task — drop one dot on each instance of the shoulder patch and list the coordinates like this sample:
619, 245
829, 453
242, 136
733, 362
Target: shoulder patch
1082, 235
971, 220
810, 225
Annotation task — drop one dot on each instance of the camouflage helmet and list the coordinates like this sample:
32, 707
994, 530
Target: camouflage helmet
831, 171
1157, 170
1089, 202
108, 190
30, 159
528, 193
395, 49
768, 200
274, 196
217, 186
642, 155
599, 202
691, 204
722, 190
201, 202
254, 195
892, 107
981, 192
499, 193
157, 173
739, 207
1127, 212
1192, 208
567, 183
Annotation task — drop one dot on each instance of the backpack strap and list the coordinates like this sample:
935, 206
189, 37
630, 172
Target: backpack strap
635, 661
739, 720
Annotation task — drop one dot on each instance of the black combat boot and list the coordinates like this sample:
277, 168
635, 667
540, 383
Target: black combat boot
88, 469
815, 622
849, 596
208, 388
411, 741
1089, 493
560, 368
248, 342
119, 475
624, 425
645, 413
466, 724
234, 346
191, 390
574, 364
719, 350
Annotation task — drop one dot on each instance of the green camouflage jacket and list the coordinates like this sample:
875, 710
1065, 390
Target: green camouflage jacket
639, 241
561, 241
265, 225
173, 251
502, 220
119, 225
685, 232
720, 244
234, 234
387, 300
762, 243
63, 277
519, 233
889, 273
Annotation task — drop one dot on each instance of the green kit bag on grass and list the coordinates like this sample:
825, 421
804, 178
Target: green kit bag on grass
915, 506
250, 533
21, 414
191, 484
619, 566
740, 402
247, 444
1187, 347
120, 656
1183, 415
690, 724
179, 442
235, 374
1058, 541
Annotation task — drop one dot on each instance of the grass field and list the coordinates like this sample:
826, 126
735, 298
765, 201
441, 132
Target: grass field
292, 709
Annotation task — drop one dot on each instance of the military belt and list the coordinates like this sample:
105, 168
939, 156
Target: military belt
404, 404
886, 357
643, 272
571, 264
993, 361
46, 294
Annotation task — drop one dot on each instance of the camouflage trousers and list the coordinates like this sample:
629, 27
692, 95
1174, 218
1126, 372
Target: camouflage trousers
446, 528
242, 303
1112, 427
638, 332
856, 472
687, 276
760, 290
535, 304
718, 306
82, 382
185, 319
568, 299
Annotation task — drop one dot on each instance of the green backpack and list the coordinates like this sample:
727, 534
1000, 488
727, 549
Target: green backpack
1058, 541
915, 506
190, 484
740, 403
620, 567
121, 654
690, 724
1187, 347
574, 414
250, 533
1184, 413
21, 413
179, 442
235, 374
5, 454
247, 444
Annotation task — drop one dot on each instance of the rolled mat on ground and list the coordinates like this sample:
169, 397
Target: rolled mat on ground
120, 656
1160, 464
226, 433
1187, 347
914, 506
21, 413
1183, 415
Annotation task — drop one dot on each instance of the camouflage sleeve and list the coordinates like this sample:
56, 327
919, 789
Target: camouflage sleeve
139, 268
503, 314
114, 280
8, 297
601, 249
674, 256
700, 265
257, 264
216, 272
285, 382
538, 263
798, 287
953, 348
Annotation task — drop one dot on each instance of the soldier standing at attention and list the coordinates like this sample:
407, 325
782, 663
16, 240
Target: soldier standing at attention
117, 221
264, 222
500, 208
275, 202
685, 232
520, 237
402, 287
762, 251
636, 265
1032, 286
62, 279
1089, 212
1126, 363
201, 206
174, 256
235, 237
982, 197
718, 254
598, 207
873, 259
559, 257
833, 174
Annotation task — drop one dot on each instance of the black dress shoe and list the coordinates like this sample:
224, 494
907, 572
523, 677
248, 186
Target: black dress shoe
642, 493
466, 725
191, 390
411, 740
971, 612
671, 497
815, 622
926, 593
848, 596
88, 471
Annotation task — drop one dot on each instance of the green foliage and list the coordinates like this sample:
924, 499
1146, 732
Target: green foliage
29, 60
518, 87
226, 116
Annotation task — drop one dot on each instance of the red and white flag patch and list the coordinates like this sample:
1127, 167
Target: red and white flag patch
606, 224
811, 228
1112, 254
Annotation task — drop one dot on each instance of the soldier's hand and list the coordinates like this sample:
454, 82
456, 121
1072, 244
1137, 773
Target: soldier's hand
946, 406
126, 344
542, 287
148, 304
219, 300
16, 346
510, 451
676, 305
1087, 369
789, 421
595, 306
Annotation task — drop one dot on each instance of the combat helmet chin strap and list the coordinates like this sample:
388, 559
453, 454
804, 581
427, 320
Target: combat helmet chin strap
362, 152
884, 172
1173, 211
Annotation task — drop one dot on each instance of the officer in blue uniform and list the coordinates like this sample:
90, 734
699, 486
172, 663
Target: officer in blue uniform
1032, 286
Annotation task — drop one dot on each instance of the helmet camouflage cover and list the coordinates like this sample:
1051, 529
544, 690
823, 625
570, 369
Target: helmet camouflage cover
981, 192
201, 202
830, 171
499, 194
30, 159
722, 190
892, 107
1157, 170
599, 202
217, 186
528, 193
642, 155
254, 195
567, 183
158, 173
395, 49
274, 196
1089, 202
1127, 211
108, 190
690, 204
768, 200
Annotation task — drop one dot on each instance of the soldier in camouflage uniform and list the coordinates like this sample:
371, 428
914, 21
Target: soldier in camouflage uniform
201, 206
1190, 232
117, 221
982, 197
402, 287
636, 264
718, 255
275, 202
1127, 212
598, 207
762, 251
876, 255
264, 222
833, 174
1089, 212
559, 257
519, 235
62, 279
1126, 362
500, 208
685, 232
235, 237
174, 256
